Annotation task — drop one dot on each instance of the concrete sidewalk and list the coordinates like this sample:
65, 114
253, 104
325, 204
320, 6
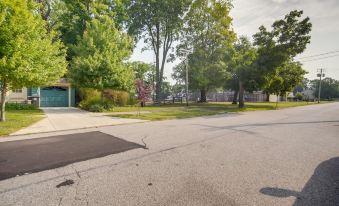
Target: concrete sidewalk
59, 119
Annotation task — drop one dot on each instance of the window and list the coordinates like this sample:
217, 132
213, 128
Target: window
17, 91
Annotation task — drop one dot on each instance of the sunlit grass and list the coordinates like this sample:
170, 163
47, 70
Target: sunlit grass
18, 119
180, 111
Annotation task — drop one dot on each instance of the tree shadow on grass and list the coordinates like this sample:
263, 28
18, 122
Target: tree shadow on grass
322, 189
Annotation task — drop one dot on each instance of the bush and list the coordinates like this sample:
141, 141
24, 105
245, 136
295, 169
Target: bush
132, 100
96, 108
299, 96
96, 105
119, 98
86, 94
20, 106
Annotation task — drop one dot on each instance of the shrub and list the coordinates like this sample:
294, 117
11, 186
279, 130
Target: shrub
96, 108
132, 100
20, 106
87, 93
119, 98
96, 105
299, 96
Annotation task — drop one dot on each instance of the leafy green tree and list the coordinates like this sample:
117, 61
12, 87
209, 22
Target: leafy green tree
208, 35
99, 57
70, 17
158, 23
242, 68
29, 55
329, 88
288, 38
286, 78
143, 71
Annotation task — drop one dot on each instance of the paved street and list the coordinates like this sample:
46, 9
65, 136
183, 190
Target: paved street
284, 157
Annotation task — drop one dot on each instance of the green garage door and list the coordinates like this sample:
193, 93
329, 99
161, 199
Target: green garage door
53, 97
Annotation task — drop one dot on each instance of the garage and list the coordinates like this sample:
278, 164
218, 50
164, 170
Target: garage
54, 97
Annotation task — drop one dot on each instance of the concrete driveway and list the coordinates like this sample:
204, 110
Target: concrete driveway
58, 119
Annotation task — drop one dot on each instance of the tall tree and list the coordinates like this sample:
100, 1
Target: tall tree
158, 23
242, 67
70, 17
288, 38
208, 35
29, 55
99, 57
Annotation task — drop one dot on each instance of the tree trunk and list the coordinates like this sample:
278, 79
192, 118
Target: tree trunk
267, 97
235, 97
158, 79
241, 95
203, 98
3, 101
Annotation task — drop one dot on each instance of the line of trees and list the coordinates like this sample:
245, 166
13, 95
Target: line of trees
329, 88
220, 59
90, 42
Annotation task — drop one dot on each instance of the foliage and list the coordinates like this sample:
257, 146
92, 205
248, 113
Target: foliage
118, 98
158, 23
20, 106
143, 91
242, 68
71, 17
96, 105
299, 96
100, 55
276, 48
286, 78
29, 55
88, 93
208, 35
143, 71
329, 88
288, 38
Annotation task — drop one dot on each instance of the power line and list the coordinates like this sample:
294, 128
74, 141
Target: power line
317, 55
311, 60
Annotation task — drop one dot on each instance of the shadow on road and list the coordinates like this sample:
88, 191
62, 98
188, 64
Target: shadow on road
322, 189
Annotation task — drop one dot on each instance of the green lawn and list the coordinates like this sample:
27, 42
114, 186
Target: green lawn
179, 111
18, 119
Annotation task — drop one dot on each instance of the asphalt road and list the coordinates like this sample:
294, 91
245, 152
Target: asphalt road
285, 157
35, 155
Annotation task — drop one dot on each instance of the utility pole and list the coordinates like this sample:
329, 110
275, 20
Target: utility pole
186, 67
321, 74
185, 53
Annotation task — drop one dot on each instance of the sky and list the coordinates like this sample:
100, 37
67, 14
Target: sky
249, 15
